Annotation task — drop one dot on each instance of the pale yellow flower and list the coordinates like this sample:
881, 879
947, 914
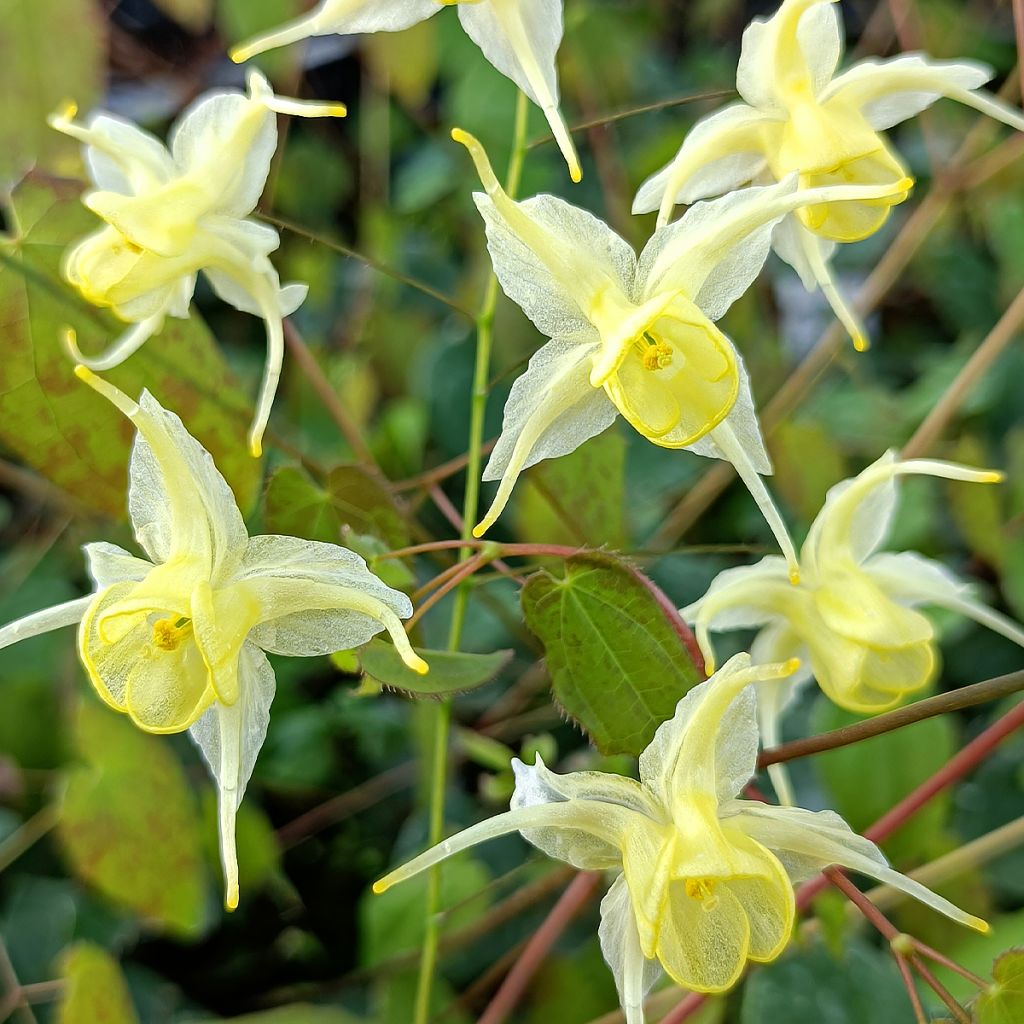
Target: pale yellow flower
520, 39
631, 335
704, 879
171, 211
852, 619
176, 640
799, 116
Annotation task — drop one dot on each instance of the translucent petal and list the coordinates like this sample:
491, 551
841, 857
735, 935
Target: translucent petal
814, 840
891, 91
318, 598
67, 614
634, 974
109, 564
911, 577
853, 605
163, 688
177, 498
551, 410
230, 740
795, 51
521, 41
552, 259
720, 153
344, 17
225, 141
536, 785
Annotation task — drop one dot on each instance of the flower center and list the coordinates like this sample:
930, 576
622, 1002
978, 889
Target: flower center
703, 891
168, 634
654, 354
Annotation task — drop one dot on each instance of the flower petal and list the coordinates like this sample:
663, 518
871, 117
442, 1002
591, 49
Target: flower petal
536, 785
552, 259
67, 614
521, 41
551, 410
634, 974
317, 598
109, 564
344, 17
907, 576
164, 690
808, 841
230, 739
890, 91
720, 153
798, 47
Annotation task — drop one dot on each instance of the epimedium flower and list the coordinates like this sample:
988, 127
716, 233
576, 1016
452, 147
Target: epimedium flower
519, 37
799, 116
853, 618
176, 640
703, 879
630, 335
172, 211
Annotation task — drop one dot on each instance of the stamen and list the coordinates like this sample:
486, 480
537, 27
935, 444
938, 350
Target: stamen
657, 356
168, 634
702, 890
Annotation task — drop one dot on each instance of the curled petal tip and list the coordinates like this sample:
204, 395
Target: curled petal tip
256, 447
417, 664
575, 174
794, 575
231, 899
64, 113
861, 343
336, 110
994, 476
480, 529
905, 184
790, 666
379, 887
463, 138
238, 54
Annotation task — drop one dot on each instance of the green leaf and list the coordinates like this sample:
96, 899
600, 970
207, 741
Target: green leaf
95, 990
351, 497
811, 986
295, 506
56, 424
129, 824
1003, 1001
450, 672
617, 658
39, 71
866, 779
577, 499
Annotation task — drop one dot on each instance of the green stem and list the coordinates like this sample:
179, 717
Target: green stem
443, 711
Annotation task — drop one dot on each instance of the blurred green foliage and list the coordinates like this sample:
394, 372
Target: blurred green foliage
128, 874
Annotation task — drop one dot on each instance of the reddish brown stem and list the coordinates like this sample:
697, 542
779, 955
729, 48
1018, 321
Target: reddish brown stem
940, 990
908, 981
689, 1006
950, 965
465, 570
576, 895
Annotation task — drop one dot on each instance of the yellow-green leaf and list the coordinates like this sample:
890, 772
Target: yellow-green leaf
95, 991
1003, 1001
57, 425
129, 825
40, 68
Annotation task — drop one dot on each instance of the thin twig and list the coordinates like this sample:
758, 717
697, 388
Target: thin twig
995, 343
571, 902
1018, 28
941, 704
463, 571
647, 108
371, 262
27, 835
310, 368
